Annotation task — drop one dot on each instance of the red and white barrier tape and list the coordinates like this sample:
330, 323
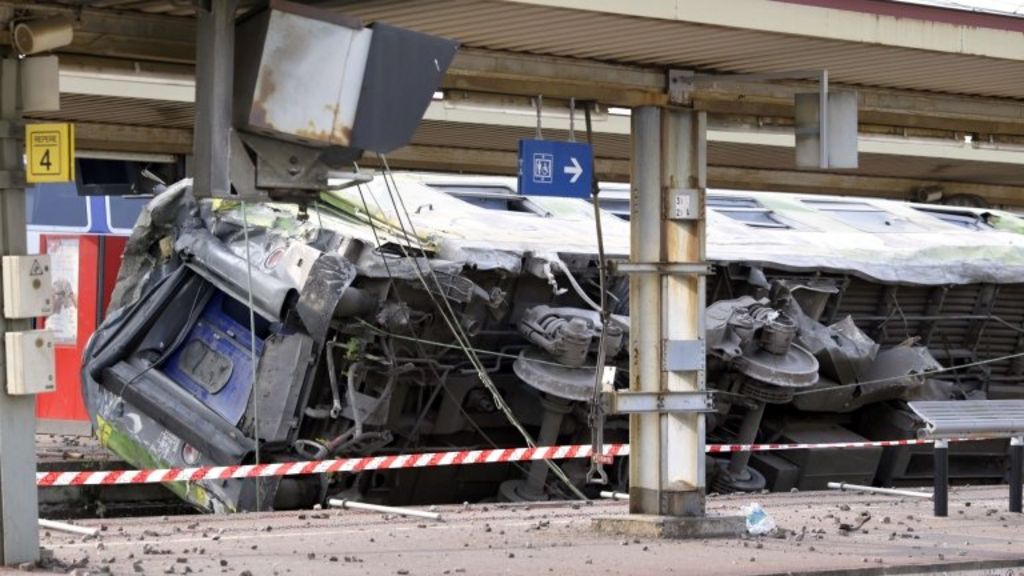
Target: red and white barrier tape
358, 464
422, 460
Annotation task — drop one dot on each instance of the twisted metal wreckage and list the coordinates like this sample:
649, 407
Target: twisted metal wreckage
395, 317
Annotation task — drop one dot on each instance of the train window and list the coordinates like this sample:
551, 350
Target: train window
123, 211
499, 198
863, 216
209, 368
57, 206
746, 210
968, 220
104, 177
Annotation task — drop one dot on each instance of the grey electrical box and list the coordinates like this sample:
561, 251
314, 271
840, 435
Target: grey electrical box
841, 131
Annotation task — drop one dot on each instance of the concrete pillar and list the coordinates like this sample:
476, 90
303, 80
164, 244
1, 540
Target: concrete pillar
666, 449
19, 507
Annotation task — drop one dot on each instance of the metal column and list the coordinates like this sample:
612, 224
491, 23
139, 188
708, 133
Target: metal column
19, 506
667, 449
1016, 472
215, 66
941, 490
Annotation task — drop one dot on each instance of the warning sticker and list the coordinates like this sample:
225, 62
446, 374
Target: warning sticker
63, 322
36, 270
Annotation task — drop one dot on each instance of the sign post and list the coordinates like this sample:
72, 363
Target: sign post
19, 506
551, 168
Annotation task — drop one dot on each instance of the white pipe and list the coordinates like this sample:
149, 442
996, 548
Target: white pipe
65, 527
614, 495
385, 509
875, 490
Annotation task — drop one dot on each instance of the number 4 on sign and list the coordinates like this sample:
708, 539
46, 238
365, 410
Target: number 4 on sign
50, 151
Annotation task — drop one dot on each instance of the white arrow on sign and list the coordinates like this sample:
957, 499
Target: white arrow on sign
575, 170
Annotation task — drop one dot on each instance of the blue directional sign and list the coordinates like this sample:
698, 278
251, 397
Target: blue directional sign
550, 168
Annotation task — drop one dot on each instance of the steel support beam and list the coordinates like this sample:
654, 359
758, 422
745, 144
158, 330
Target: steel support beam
19, 508
215, 53
667, 449
556, 77
121, 138
879, 106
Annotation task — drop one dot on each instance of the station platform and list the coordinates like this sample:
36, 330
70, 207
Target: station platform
819, 533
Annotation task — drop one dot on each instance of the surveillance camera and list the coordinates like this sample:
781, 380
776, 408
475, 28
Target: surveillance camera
43, 35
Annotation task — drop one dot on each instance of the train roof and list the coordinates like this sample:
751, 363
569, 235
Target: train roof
483, 223
883, 240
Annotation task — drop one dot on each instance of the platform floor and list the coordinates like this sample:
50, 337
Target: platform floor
898, 536
55, 451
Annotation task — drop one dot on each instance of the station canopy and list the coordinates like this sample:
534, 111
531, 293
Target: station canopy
941, 92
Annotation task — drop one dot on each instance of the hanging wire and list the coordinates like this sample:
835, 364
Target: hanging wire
373, 227
449, 316
934, 371
319, 218
596, 414
538, 103
439, 344
572, 119
572, 279
252, 349
418, 341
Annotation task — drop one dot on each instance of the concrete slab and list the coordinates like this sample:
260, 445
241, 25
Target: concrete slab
896, 537
650, 526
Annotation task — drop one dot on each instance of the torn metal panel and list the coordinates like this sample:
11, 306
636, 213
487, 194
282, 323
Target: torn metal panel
173, 208
728, 325
209, 258
285, 364
327, 283
896, 373
844, 351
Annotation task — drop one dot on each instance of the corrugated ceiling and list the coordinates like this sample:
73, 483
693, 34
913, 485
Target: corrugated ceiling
500, 25
622, 39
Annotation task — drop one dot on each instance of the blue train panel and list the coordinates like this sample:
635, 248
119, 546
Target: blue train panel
214, 361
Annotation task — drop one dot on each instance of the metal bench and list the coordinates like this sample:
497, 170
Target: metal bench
947, 420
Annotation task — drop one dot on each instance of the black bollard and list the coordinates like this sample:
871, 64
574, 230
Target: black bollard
1016, 471
941, 491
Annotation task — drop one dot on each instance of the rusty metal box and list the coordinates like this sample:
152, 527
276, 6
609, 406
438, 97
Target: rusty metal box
299, 73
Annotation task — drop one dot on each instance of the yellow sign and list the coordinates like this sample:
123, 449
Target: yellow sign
50, 151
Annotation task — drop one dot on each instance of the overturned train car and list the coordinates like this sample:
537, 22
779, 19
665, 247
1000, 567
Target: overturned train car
429, 313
